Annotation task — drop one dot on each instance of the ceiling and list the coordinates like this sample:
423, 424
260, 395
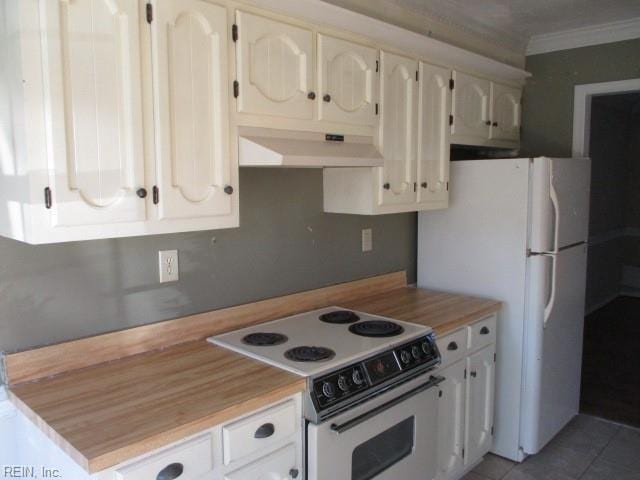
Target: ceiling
514, 22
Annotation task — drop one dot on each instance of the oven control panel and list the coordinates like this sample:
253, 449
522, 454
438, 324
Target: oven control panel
340, 386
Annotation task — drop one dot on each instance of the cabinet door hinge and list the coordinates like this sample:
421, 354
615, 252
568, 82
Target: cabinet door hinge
417, 75
376, 109
450, 119
377, 66
491, 429
495, 357
465, 373
440, 393
415, 186
447, 186
149, 13
236, 89
155, 192
452, 84
47, 198
234, 32
463, 453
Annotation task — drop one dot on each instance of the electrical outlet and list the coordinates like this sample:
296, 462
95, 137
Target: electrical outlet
168, 265
367, 240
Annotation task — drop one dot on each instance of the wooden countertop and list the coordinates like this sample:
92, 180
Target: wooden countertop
444, 312
107, 414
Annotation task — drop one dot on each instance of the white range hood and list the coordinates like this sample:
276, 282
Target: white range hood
262, 147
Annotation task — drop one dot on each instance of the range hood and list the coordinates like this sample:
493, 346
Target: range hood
263, 147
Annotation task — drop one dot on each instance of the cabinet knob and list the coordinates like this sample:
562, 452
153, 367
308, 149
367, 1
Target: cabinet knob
311, 95
228, 189
293, 473
452, 346
265, 431
474, 374
495, 124
170, 472
423, 184
484, 331
141, 192
488, 122
386, 186
327, 98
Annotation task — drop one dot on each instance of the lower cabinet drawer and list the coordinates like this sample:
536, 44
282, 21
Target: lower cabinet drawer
258, 431
280, 465
452, 346
187, 461
482, 333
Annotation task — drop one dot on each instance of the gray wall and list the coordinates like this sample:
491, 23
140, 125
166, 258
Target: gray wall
547, 120
285, 244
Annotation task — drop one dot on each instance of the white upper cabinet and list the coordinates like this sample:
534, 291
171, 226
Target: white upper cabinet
398, 129
93, 111
480, 392
505, 112
470, 109
274, 67
347, 81
193, 165
433, 135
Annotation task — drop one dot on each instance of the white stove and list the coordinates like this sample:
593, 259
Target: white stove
272, 340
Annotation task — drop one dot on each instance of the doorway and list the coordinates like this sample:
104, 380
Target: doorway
610, 128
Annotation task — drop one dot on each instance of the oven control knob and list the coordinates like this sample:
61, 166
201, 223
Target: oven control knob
405, 356
328, 389
415, 351
357, 377
343, 383
426, 348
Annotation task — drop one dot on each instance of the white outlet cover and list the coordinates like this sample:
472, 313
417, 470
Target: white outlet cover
367, 240
168, 266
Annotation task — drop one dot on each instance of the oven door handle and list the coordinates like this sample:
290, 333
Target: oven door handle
433, 381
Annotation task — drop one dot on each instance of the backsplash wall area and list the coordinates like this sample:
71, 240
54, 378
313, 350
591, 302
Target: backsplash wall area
285, 244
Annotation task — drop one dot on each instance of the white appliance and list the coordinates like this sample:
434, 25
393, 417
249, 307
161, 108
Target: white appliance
516, 231
368, 388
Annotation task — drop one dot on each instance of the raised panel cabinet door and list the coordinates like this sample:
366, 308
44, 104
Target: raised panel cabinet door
480, 395
433, 135
347, 81
470, 108
451, 412
505, 112
274, 67
398, 129
193, 165
93, 111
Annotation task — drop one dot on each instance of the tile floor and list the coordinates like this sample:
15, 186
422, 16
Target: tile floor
588, 448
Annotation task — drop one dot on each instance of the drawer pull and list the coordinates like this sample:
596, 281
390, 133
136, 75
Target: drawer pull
484, 331
474, 374
170, 472
265, 431
452, 346
293, 473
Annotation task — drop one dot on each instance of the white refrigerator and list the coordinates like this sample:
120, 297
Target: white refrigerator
516, 230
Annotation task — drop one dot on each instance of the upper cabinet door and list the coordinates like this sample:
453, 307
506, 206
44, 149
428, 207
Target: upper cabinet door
470, 108
505, 112
91, 63
398, 129
347, 81
275, 65
191, 102
433, 135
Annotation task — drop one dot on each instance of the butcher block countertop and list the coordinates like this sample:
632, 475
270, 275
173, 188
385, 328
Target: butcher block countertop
111, 412
107, 414
444, 312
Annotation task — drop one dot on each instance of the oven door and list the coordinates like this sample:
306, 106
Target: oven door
392, 436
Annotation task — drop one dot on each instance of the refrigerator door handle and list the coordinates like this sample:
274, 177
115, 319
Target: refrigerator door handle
553, 195
552, 298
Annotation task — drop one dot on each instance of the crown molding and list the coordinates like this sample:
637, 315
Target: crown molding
584, 36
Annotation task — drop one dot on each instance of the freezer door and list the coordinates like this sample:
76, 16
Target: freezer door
553, 345
560, 203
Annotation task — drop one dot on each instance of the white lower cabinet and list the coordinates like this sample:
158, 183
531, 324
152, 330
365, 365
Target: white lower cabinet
280, 465
466, 398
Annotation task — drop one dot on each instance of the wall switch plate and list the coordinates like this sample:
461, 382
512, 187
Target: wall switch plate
367, 240
168, 265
